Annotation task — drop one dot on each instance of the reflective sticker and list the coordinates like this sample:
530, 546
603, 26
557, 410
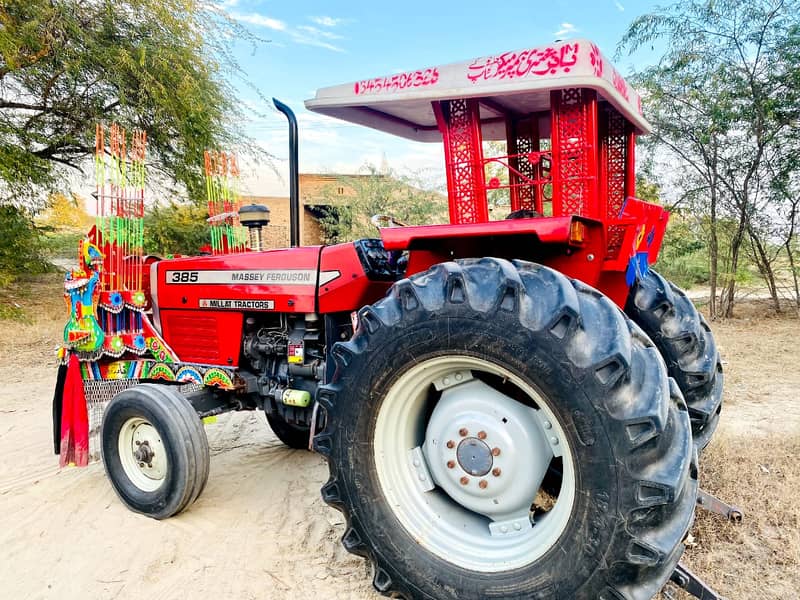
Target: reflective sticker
249, 277
230, 304
296, 353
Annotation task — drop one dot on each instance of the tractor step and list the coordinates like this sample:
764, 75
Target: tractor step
683, 578
715, 505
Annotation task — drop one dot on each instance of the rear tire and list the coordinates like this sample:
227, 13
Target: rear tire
155, 450
687, 345
531, 338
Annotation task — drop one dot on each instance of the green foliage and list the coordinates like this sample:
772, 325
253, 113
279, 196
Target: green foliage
62, 244
21, 250
684, 255
164, 66
375, 193
725, 102
175, 229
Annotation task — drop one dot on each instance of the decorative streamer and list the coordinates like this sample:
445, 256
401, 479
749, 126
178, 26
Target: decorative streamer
222, 192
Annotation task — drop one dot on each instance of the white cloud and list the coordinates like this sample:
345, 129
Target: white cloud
300, 36
327, 21
619, 6
260, 21
315, 31
566, 29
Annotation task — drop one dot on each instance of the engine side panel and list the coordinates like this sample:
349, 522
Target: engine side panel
202, 300
353, 275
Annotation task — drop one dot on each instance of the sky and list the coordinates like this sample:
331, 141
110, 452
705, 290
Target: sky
313, 44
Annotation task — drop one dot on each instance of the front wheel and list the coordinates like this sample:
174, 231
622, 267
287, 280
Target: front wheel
155, 450
459, 392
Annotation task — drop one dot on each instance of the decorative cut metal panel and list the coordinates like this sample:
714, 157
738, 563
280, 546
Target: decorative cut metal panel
98, 394
459, 122
574, 139
615, 166
523, 136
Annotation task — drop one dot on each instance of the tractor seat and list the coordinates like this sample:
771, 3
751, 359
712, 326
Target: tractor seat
379, 264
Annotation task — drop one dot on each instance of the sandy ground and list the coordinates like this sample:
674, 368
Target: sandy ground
261, 531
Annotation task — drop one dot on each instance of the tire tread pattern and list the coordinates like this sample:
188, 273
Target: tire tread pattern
606, 351
686, 343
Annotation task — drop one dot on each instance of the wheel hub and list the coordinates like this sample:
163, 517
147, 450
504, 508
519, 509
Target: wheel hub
474, 457
487, 451
142, 454
483, 521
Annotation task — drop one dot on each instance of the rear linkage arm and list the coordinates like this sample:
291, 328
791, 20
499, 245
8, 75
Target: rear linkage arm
692, 584
683, 577
715, 505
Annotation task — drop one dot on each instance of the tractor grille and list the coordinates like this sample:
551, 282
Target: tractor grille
194, 338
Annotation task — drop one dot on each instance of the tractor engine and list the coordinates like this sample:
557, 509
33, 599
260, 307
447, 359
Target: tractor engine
284, 354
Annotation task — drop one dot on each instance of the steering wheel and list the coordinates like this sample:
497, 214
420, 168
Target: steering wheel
383, 221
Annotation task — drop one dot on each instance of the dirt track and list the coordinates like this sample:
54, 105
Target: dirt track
261, 531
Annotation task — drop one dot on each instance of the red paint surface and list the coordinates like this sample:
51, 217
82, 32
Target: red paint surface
351, 290
210, 336
548, 230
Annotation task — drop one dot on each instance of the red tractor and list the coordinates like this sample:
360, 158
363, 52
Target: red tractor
509, 409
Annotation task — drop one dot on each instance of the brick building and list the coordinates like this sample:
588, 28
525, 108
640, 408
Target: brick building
317, 193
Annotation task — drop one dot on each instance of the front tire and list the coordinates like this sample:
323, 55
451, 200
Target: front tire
687, 345
547, 366
155, 450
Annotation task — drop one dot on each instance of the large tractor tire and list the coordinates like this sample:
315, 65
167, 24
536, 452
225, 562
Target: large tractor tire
687, 345
155, 450
294, 436
457, 393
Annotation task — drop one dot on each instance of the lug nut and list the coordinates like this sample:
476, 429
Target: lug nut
463, 432
138, 443
483, 484
495, 451
481, 435
464, 480
451, 444
496, 471
141, 465
451, 464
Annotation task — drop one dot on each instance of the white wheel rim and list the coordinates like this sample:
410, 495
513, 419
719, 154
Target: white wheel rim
434, 519
142, 454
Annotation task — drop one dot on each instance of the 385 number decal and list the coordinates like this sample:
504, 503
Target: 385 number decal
183, 276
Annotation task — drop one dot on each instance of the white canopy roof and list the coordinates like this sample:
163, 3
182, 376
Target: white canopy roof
518, 81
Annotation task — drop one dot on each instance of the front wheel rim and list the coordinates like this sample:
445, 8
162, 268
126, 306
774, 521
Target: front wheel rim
431, 474
142, 454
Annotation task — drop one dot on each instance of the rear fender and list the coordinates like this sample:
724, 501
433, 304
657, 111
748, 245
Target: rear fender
550, 241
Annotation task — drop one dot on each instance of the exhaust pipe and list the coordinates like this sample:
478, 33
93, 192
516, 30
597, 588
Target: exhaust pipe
294, 176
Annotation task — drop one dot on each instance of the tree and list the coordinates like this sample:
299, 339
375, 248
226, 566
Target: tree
21, 249
163, 66
724, 100
175, 229
65, 213
374, 192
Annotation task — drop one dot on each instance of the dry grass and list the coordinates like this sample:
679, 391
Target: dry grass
34, 333
760, 557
